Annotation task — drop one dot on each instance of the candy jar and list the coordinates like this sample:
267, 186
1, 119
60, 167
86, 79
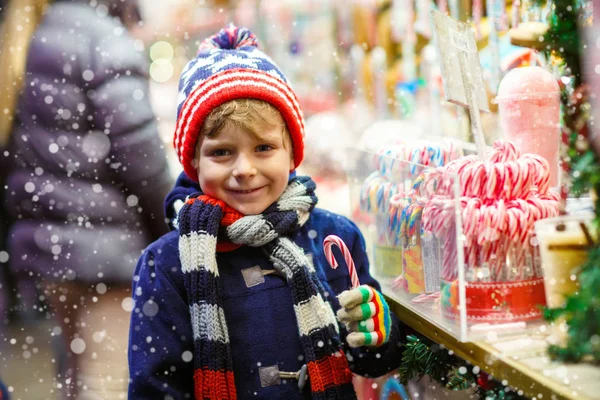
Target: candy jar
529, 106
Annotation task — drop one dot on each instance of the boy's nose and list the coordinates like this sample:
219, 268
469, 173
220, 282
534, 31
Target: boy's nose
243, 167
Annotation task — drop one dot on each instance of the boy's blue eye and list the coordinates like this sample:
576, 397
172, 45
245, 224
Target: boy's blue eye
264, 147
220, 153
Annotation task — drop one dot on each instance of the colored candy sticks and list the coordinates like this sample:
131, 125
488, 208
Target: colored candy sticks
391, 159
376, 193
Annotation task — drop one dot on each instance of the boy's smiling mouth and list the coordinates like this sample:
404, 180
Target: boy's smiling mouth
247, 191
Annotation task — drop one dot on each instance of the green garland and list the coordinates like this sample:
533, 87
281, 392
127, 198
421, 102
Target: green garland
423, 357
563, 37
582, 309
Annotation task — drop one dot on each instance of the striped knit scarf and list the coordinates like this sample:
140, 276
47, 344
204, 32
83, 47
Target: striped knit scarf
208, 225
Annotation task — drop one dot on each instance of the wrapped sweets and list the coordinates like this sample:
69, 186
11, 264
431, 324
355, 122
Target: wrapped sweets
529, 105
500, 202
420, 254
394, 170
375, 195
375, 200
393, 164
412, 254
399, 204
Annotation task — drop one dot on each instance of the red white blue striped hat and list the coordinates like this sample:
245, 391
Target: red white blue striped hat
230, 66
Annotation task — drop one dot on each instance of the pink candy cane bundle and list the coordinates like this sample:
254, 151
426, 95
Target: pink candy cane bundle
332, 240
500, 202
507, 175
495, 229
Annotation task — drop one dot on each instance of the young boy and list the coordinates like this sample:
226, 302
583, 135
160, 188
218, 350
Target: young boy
238, 301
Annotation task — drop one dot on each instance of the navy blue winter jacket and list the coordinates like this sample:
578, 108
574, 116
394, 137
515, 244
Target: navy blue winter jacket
261, 320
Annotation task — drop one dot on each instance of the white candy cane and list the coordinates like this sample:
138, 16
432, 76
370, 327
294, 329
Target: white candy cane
335, 240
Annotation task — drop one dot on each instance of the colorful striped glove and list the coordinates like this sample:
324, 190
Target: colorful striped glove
366, 315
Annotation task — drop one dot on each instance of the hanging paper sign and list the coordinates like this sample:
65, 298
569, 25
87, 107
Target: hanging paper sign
459, 61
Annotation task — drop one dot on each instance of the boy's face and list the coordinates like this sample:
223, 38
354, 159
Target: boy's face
247, 173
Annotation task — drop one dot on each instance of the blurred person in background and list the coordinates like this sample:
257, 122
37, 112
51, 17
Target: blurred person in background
3, 391
83, 176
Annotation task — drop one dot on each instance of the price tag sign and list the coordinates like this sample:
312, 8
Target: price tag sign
461, 70
389, 260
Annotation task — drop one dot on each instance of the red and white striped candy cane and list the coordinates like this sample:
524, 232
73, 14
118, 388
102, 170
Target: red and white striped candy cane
335, 240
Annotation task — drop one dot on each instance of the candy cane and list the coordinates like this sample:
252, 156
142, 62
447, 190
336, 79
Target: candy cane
500, 202
449, 257
335, 240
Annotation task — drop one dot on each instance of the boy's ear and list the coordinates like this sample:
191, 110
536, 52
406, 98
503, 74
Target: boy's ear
291, 164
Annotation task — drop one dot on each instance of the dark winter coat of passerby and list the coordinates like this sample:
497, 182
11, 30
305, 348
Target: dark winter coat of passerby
84, 170
3, 392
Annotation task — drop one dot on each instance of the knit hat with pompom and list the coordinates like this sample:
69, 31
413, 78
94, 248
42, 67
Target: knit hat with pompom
230, 66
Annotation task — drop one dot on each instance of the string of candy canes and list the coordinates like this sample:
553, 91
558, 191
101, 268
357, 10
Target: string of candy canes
426, 184
333, 240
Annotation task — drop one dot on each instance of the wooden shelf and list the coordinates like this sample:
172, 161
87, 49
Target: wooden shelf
528, 34
518, 359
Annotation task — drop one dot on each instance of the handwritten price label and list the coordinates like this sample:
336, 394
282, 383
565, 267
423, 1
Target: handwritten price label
459, 40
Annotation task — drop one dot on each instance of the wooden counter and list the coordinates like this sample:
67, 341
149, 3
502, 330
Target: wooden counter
519, 359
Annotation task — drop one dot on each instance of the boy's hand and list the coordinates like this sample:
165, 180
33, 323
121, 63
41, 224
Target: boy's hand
366, 315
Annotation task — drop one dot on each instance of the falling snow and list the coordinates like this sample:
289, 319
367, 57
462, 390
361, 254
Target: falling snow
187, 356
77, 346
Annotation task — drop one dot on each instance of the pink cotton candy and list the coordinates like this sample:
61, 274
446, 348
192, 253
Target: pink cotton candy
529, 105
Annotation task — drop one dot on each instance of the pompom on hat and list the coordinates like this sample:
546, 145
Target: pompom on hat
230, 66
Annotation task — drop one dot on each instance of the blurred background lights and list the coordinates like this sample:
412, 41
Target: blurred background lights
161, 70
161, 54
161, 50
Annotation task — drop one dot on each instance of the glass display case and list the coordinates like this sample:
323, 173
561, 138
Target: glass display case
444, 255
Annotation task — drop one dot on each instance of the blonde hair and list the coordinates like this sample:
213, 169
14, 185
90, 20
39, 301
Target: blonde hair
250, 115
21, 19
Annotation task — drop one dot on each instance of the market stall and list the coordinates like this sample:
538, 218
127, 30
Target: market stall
459, 136
453, 147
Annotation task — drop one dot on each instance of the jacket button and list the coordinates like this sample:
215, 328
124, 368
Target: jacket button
253, 276
269, 376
